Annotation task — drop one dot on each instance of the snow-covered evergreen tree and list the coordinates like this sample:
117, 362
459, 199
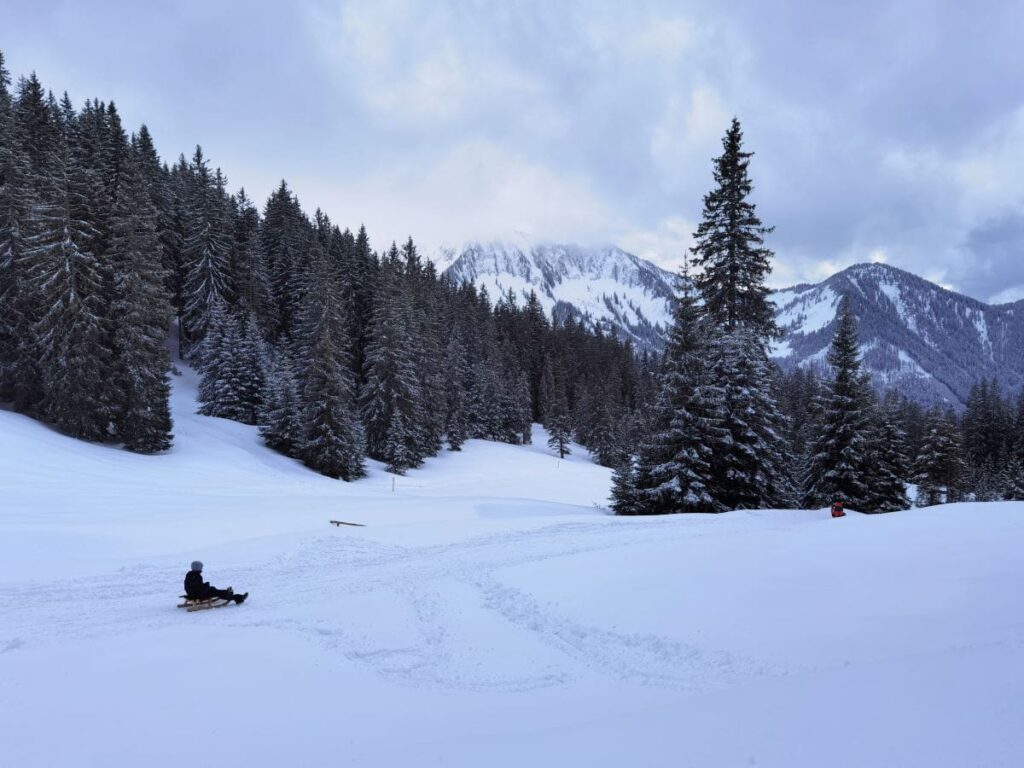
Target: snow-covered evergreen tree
558, 423
12, 207
840, 468
333, 441
751, 462
458, 377
676, 457
624, 489
142, 415
939, 466
281, 415
729, 247
67, 286
390, 398
889, 462
205, 251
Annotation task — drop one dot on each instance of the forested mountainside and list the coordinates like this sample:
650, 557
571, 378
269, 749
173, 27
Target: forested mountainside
615, 290
918, 338
927, 342
294, 322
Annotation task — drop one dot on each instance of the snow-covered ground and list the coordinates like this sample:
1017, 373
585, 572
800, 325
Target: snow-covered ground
489, 614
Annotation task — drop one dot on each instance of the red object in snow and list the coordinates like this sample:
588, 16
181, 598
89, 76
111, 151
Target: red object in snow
837, 509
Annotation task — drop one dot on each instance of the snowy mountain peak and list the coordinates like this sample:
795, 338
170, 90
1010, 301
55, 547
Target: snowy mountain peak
917, 337
920, 338
606, 285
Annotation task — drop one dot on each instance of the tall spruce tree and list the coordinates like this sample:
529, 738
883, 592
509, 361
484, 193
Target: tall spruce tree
840, 469
205, 251
12, 202
67, 286
939, 466
624, 490
676, 460
889, 460
750, 460
281, 414
333, 442
558, 424
390, 398
729, 247
142, 415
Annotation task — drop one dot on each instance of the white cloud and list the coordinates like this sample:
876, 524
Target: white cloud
476, 191
687, 132
666, 245
629, 38
410, 66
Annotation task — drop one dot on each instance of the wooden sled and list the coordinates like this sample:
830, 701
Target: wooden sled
342, 522
192, 604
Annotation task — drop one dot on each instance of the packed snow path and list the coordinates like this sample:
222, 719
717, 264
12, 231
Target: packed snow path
489, 614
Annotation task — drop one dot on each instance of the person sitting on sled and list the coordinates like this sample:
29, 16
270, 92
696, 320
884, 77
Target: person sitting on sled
197, 589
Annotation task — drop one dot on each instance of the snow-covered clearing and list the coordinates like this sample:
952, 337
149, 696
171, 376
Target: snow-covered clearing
488, 615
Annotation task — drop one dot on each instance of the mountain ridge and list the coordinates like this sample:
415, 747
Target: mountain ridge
927, 341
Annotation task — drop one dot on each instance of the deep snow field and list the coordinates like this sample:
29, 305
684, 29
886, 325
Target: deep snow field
490, 613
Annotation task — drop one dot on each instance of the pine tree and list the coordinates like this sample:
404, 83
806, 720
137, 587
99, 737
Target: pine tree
750, 459
248, 265
1015, 466
458, 378
750, 463
281, 415
67, 286
840, 468
889, 461
142, 414
29, 179
284, 238
233, 364
558, 424
729, 247
333, 441
624, 490
939, 466
205, 251
12, 206
390, 397
675, 472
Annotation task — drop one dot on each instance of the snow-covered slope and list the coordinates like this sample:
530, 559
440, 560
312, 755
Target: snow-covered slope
489, 614
928, 342
618, 290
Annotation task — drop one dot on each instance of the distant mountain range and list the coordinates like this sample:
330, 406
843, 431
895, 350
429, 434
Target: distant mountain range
917, 337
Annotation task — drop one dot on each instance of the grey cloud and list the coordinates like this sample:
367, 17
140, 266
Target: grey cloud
350, 99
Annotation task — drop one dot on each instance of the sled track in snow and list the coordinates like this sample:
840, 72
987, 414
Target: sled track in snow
306, 592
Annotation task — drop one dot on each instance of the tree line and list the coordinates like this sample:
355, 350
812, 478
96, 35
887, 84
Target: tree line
295, 324
337, 352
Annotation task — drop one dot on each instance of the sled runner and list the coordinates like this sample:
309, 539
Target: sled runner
194, 604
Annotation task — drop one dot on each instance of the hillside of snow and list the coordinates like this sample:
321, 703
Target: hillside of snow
490, 613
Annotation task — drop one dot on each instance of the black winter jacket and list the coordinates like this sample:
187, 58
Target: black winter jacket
195, 586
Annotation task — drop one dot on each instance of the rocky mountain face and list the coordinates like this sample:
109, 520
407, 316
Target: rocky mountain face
606, 286
917, 337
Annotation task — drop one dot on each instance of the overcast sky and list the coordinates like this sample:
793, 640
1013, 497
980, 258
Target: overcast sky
883, 131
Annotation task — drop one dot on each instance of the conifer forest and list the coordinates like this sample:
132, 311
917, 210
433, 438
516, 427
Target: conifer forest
117, 266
